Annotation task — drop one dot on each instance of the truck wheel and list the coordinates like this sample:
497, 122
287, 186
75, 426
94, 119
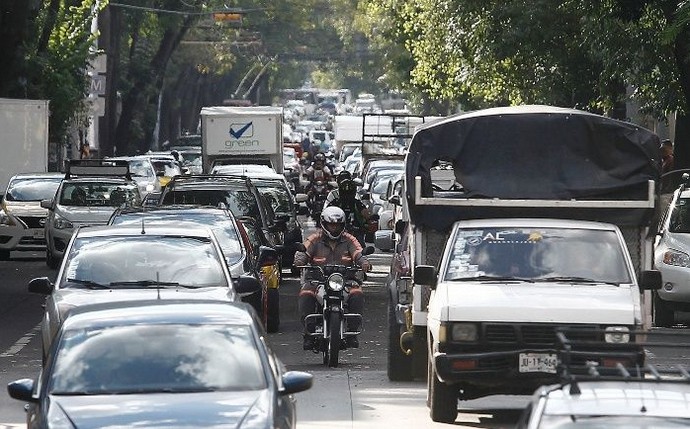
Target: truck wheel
399, 364
663, 312
51, 260
4, 255
419, 353
443, 399
273, 323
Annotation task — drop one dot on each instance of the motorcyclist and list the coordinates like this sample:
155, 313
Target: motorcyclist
359, 219
331, 245
318, 170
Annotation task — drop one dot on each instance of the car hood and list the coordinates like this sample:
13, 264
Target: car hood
537, 302
86, 215
25, 208
75, 297
246, 409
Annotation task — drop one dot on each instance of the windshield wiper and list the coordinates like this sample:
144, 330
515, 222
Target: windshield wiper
164, 390
88, 284
574, 279
494, 278
147, 283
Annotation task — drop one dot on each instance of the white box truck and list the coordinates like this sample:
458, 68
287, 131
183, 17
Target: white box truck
242, 135
23, 138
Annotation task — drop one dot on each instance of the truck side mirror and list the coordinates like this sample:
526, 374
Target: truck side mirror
395, 200
400, 227
650, 280
425, 275
47, 204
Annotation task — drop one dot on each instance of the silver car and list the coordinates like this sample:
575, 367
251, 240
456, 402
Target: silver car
22, 219
124, 263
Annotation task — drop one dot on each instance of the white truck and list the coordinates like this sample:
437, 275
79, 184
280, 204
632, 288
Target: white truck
543, 226
23, 139
242, 135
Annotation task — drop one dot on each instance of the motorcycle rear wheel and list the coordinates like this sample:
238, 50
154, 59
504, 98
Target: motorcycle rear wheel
334, 339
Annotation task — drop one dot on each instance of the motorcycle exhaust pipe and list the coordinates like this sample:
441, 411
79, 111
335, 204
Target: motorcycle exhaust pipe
406, 341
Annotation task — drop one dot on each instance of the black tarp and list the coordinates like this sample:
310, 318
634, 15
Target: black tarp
532, 152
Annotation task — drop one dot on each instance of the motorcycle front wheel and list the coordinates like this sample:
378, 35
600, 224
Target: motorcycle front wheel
333, 339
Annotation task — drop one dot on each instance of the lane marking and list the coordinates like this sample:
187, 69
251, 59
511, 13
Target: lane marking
21, 343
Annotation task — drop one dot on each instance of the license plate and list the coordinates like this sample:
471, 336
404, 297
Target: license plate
537, 362
39, 233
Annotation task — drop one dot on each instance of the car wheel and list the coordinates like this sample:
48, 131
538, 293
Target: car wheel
443, 399
51, 260
4, 255
399, 364
664, 315
273, 322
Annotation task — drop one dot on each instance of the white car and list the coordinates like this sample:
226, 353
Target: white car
143, 173
22, 219
672, 259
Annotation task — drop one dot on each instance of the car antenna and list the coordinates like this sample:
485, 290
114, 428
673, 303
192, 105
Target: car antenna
143, 231
158, 283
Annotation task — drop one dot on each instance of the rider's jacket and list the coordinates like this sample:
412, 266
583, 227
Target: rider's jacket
356, 213
321, 250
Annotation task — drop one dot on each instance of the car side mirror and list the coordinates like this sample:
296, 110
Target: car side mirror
22, 390
400, 227
368, 250
425, 275
41, 285
246, 285
395, 200
650, 280
47, 204
365, 196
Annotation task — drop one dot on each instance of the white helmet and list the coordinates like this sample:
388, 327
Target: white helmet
333, 222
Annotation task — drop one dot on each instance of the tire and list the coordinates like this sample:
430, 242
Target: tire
334, 339
51, 260
664, 316
443, 399
399, 364
273, 322
419, 353
4, 255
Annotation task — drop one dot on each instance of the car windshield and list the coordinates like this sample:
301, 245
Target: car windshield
99, 193
145, 358
680, 216
239, 202
32, 188
140, 168
223, 227
380, 184
537, 254
122, 261
606, 422
278, 196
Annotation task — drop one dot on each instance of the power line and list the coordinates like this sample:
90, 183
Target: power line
179, 12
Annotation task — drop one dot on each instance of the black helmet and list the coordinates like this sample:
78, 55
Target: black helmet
347, 187
333, 222
320, 157
343, 175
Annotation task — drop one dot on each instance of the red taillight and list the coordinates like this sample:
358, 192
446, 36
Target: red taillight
612, 362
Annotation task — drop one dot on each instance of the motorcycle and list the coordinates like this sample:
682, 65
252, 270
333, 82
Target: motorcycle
317, 197
331, 326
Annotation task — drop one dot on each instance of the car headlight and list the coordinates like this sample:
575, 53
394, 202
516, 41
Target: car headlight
617, 334
460, 332
336, 282
679, 259
5, 219
61, 223
149, 187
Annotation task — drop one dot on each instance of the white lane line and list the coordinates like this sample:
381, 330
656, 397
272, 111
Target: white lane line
21, 343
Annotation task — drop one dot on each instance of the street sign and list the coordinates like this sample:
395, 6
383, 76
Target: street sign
97, 86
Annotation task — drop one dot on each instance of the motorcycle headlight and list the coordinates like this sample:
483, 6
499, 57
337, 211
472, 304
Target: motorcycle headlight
674, 257
336, 282
617, 334
61, 223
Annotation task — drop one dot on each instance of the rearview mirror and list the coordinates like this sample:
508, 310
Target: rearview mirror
425, 275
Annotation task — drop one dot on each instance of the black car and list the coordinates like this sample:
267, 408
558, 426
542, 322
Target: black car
162, 363
236, 193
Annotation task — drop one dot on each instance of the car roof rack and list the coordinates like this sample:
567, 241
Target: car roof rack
97, 168
211, 178
577, 357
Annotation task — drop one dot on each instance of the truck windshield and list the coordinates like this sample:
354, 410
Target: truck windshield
538, 254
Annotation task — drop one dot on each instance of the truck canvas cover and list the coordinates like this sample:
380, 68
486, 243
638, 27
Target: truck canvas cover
533, 153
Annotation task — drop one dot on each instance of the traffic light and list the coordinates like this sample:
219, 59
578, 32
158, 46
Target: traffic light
227, 17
